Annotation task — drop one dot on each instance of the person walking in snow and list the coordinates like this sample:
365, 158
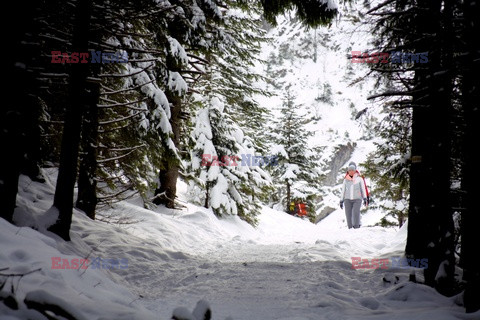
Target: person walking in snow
353, 193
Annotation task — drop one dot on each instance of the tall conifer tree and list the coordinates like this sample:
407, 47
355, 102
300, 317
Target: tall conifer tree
295, 173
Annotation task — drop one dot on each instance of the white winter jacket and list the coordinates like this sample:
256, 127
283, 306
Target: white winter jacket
353, 188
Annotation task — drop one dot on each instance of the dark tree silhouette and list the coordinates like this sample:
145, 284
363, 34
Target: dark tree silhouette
471, 105
77, 104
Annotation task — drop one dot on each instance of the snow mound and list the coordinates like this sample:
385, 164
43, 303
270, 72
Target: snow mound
26, 264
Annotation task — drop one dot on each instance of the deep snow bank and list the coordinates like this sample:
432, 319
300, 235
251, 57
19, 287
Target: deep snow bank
26, 259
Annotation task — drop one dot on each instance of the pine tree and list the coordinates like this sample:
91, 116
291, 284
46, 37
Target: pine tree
224, 99
223, 180
469, 69
79, 93
427, 88
19, 125
311, 13
295, 174
242, 40
196, 30
388, 167
137, 124
133, 109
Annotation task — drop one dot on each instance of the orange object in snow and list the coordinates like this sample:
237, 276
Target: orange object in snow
301, 209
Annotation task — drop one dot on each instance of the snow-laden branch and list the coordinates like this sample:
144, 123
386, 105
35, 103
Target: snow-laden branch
112, 91
117, 75
117, 157
115, 195
392, 94
120, 119
113, 129
123, 104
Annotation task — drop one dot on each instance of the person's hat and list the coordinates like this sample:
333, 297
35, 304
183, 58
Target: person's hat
352, 166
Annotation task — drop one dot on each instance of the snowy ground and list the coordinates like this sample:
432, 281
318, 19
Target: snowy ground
286, 268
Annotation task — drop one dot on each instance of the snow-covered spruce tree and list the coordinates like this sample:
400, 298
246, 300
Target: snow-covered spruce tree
141, 100
194, 27
223, 180
388, 167
295, 175
239, 81
131, 123
133, 112
228, 120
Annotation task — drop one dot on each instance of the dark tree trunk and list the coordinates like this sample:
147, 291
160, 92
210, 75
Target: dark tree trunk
11, 138
418, 220
471, 104
167, 191
87, 182
430, 230
169, 171
19, 87
207, 197
442, 107
417, 240
288, 197
67, 174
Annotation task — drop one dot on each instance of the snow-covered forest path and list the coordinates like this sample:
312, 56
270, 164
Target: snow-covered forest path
286, 268
251, 281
